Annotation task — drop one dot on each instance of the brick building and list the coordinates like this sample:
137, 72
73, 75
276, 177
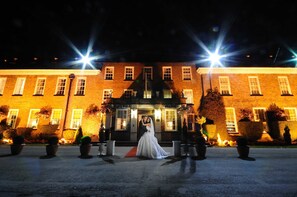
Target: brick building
130, 90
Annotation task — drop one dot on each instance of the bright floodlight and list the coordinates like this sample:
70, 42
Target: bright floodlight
85, 60
214, 58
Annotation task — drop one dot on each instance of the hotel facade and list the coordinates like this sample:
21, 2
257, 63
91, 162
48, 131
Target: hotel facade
127, 91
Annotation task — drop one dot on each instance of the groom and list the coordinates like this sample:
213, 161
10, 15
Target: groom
142, 128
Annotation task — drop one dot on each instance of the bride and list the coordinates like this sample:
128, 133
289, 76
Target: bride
148, 144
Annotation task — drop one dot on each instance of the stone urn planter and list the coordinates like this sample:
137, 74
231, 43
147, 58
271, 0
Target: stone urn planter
251, 130
17, 146
52, 147
85, 147
242, 148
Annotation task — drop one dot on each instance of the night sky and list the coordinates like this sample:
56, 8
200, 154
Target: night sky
148, 31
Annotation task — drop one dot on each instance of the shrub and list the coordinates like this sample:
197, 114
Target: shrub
54, 140
241, 141
246, 114
9, 133
18, 139
78, 135
69, 134
85, 140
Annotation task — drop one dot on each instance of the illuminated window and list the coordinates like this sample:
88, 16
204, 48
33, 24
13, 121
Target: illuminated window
259, 114
230, 120
19, 86
121, 119
12, 117
284, 86
40, 85
148, 73
170, 120
109, 73
147, 94
167, 94
61, 86
291, 113
224, 85
129, 73
254, 86
187, 73
188, 93
2, 85
76, 118
33, 118
107, 93
128, 93
56, 116
80, 86
167, 73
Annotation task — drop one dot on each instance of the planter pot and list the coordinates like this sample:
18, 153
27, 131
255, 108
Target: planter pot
16, 148
51, 150
243, 151
201, 151
85, 150
252, 130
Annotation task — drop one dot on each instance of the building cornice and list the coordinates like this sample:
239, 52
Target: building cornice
48, 72
247, 70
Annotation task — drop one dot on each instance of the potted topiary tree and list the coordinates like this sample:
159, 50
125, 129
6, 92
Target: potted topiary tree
242, 148
52, 147
85, 147
17, 145
274, 115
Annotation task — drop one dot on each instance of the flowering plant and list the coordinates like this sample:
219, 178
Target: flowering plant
201, 120
45, 111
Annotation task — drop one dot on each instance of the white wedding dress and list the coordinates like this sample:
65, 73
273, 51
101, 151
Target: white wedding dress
148, 145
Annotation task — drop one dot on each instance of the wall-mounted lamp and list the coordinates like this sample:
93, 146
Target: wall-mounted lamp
133, 113
157, 114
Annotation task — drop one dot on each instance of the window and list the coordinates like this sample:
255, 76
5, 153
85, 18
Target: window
148, 72
2, 85
33, 118
224, 85
109, 73
80, 86
76, 118
129, 73
167, 73
167, 94
230, 120
128, 93
56, 116
147, 94
259, 114
284, 86
19, 86
61, 86
191, 122
290, 113
254, 86
107, 93
187, 73
40, 85
188, 93
170, 120
121, 119
12, 117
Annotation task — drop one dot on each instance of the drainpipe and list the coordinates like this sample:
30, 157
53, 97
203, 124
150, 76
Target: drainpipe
71, 77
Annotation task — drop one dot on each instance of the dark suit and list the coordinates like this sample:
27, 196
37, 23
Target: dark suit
141, 130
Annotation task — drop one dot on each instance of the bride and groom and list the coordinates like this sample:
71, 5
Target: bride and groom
148, 145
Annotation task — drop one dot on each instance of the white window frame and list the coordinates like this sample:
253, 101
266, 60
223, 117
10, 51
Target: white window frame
254, 85
231, 119
2, 84
107, 93
59, 87
291, 113
167, 94
39, 89
80, 90
75, 123
19, 86
56, 120
12, 121
225, 89
31, 123
284, 86
187, 73
149, 74
109, 73
127, 74
164, 69
170, 122
257, 116
121, 120
188, 93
